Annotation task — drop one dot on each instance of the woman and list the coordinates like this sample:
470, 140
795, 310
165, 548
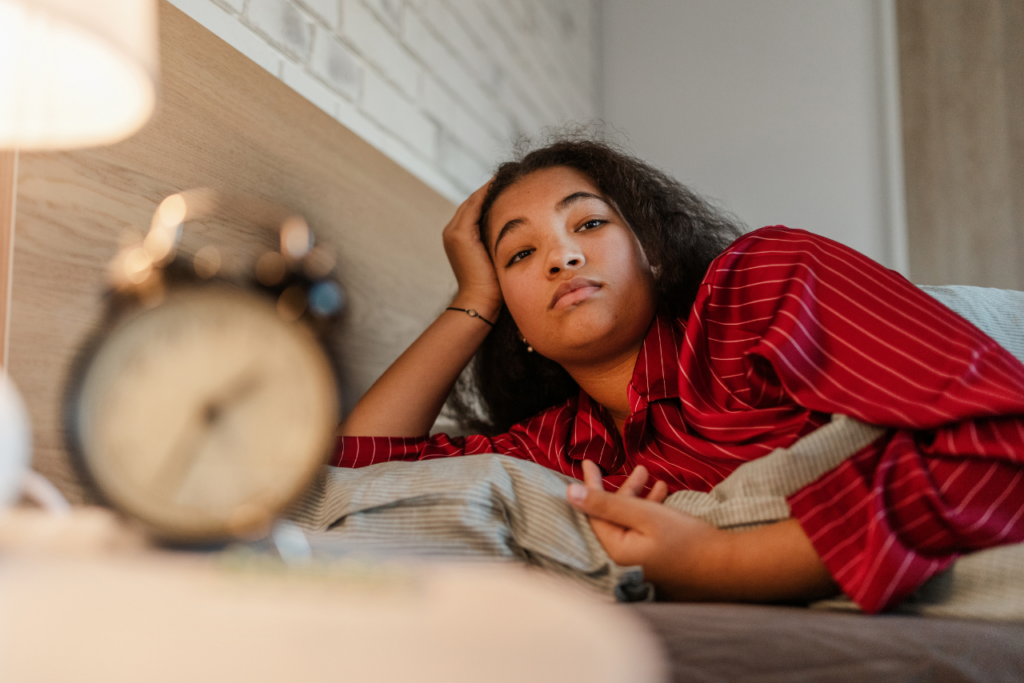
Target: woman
635, 331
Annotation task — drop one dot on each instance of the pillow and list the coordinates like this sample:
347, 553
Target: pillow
485, 507
999, 313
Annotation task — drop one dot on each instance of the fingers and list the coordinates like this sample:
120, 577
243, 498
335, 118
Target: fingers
474, 202
615, 540
592, 475
635, 482
467, 215
633, 486
625, 511
659, 492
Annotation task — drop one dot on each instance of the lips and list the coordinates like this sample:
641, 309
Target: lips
574, 291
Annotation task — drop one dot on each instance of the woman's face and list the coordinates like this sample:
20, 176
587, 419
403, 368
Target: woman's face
572, 273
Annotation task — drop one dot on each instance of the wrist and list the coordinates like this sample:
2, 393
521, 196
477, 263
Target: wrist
705, 571
486, 307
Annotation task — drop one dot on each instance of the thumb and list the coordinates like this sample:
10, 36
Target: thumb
625, 511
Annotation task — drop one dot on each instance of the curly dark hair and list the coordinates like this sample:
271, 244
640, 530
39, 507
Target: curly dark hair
680, 232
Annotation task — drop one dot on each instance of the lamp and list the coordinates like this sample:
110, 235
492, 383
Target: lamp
75, 73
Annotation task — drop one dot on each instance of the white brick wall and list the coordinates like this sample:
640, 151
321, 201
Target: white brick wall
441, 86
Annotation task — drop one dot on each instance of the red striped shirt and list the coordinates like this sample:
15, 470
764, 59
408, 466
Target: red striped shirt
787, 329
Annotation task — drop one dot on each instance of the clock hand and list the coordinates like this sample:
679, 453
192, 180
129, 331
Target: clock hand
183, 454
240, 388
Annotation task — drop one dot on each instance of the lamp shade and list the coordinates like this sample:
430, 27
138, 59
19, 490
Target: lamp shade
75, 73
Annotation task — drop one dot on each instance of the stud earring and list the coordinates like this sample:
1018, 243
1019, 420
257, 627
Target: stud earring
529, 349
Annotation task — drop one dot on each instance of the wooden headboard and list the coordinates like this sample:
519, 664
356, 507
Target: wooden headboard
222, 122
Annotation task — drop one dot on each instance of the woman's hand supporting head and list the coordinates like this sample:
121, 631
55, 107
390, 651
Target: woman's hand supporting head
474, 272
407, 398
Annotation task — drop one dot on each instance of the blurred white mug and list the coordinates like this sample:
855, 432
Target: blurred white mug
15, 441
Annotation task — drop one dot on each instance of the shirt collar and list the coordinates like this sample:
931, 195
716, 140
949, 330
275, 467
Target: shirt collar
592, 436
656, 374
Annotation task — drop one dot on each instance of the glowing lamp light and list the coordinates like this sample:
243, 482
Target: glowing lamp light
75, 73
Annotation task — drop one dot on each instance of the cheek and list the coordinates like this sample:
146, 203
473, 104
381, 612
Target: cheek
516, 291
625, 263
525, 297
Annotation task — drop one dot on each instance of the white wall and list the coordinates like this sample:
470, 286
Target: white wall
440, 86
785, 111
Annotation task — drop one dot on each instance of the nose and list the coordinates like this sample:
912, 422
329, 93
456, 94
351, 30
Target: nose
565, 254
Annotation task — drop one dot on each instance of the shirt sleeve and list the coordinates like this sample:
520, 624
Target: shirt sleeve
541, 439
838, 333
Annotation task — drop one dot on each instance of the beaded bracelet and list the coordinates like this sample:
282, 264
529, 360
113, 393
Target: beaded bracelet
471, 313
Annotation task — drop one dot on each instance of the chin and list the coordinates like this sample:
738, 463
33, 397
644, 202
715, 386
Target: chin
593, 333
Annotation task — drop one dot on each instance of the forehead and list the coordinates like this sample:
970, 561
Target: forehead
535, 195
541, 189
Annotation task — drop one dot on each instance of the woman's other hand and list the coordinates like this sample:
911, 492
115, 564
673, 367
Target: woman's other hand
668, 544
688, 559
478, 284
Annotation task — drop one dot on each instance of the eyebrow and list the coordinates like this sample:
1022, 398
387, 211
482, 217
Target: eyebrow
560, 206
578, 197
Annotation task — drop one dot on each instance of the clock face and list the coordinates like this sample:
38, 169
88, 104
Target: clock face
206, 415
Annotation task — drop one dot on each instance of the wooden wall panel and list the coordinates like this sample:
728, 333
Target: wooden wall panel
962, 94
225, 123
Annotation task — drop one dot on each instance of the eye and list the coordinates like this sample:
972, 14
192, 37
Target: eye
591, 224
519, 256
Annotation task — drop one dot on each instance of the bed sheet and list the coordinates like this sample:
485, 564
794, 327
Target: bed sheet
737, 643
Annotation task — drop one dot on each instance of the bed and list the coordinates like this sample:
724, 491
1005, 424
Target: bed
225, 123
777, 643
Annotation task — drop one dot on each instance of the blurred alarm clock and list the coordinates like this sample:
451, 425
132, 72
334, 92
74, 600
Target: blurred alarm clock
206, 404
